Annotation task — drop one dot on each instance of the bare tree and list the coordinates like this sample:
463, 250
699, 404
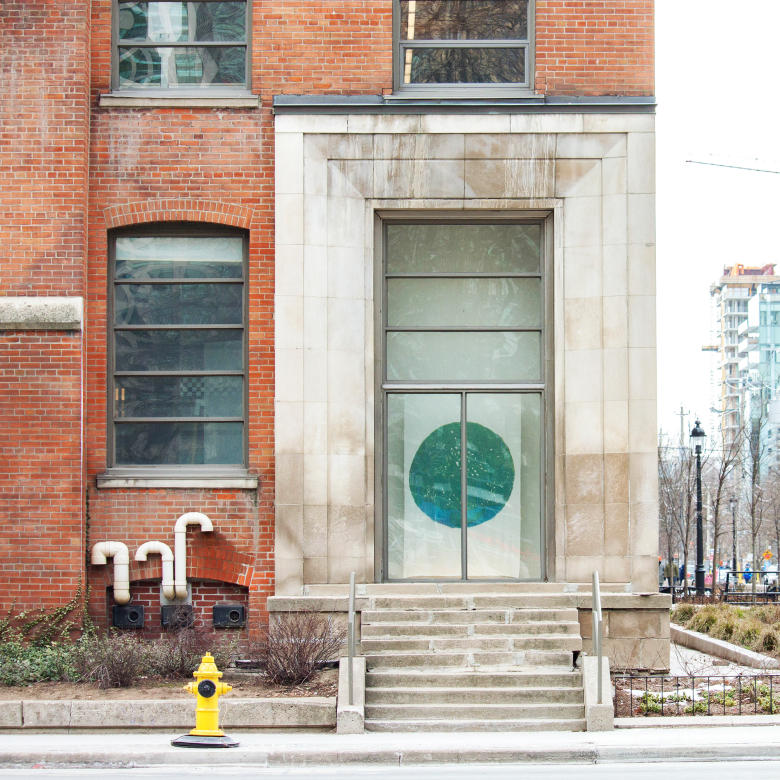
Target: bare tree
772, 494
677, 494
724, 460
668, 508
755, 466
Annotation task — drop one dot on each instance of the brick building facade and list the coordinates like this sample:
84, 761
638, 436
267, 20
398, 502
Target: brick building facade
324, 125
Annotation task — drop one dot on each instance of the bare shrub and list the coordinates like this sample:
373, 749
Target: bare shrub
704, 619
768, 641
111, 660
177, 654
295, 645
683, 613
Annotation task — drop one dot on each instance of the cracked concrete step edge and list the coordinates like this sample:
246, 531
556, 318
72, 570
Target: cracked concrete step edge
300, 712
473, 725
388, 679
483, 696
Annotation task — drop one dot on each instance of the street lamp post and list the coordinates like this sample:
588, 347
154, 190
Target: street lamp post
733, 502
697, 439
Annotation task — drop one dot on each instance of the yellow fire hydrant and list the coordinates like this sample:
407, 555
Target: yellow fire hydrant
207, 688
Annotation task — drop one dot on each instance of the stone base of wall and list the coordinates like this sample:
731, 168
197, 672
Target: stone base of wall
634, 638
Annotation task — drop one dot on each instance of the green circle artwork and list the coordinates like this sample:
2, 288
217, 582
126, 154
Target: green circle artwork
434, 477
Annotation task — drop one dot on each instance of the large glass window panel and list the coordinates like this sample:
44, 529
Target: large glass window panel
170, 22
504, 485
179, 396
464, 19
423, 486
181, 66
173, 257
179, 350
414, 249
465, 356
513, 302
179, 443
464, 65
179, 304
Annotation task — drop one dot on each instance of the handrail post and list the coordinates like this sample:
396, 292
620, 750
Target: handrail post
597, 628
351, 633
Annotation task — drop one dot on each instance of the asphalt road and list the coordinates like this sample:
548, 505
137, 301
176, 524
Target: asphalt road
690, 771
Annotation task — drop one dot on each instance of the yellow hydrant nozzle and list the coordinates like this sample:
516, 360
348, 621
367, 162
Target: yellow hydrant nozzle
207, 688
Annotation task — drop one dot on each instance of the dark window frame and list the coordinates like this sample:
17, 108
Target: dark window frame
174, 229
544, 387
463, 90
186, 90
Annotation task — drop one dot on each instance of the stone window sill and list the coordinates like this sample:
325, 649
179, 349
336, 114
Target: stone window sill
233, 479
124, 100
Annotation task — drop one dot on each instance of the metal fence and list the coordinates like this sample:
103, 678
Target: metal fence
733, 591
670, 696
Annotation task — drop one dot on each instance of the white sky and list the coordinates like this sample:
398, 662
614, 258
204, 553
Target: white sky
718, 89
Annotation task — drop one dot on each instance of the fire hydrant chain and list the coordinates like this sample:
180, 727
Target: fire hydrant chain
207, 688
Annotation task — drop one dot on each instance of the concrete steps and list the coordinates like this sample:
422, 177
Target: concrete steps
449, 726
472, 661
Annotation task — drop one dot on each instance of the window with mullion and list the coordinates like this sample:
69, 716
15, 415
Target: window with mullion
463, 391
181, 45
461, 43
178, 356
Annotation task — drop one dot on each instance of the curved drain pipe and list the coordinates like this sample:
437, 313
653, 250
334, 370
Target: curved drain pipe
118, 551
167, 563
180, 547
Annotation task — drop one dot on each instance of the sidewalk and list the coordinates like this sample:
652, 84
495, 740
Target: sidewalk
299, 749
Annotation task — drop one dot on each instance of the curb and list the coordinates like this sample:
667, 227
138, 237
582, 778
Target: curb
133, 714
717, 647
263, 758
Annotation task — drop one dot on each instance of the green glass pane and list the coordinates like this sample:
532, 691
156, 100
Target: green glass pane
179, 444
459, 20
465, 66
453, 302
463, 249
179, 257
179, 350
185, 66
476, 356
503, 485
166, 22
423, 486
179, 304
179, 396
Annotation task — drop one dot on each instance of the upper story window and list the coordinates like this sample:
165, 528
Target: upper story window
453, 44
181, 45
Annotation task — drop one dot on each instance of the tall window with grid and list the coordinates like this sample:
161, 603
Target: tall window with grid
177, 353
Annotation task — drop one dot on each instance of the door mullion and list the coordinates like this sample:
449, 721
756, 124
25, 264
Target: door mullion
463, 491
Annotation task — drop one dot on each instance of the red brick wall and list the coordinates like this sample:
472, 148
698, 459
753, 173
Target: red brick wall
595, 47
41, 541
205, 594
44, 122
172, 164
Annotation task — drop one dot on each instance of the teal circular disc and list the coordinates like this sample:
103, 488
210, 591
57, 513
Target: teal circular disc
434, 476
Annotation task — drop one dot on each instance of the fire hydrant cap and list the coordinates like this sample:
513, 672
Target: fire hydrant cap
207, 667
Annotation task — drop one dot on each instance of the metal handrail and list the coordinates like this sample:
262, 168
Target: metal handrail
598, 627
351, 633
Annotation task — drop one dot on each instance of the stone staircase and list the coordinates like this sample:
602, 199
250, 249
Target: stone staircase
472, 662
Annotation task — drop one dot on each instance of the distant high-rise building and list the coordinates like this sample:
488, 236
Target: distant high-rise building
746, 300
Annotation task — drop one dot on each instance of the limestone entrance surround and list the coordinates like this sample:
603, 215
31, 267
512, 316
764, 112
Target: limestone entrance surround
594, 174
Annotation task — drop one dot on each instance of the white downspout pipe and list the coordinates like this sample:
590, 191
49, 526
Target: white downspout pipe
180, 548
167, 563
118, 551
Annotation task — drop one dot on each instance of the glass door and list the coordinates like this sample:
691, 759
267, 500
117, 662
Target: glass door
463, 396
